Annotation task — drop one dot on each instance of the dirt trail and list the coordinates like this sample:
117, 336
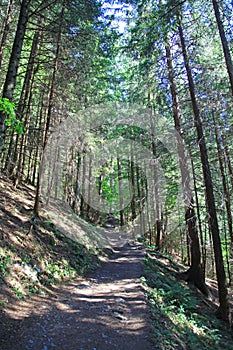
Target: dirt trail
105, 311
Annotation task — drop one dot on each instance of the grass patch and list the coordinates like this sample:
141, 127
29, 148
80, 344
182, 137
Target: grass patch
180, 318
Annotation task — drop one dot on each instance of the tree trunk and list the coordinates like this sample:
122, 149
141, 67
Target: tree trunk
55, 68
50, 103
25, 103
227, 160
5, 30
83, 190
225, 45
120, 192
203, 250
224, 182
213, 222
157, 201
89, 185
140, 194
77, 189
10, 82
132, 178
195, 274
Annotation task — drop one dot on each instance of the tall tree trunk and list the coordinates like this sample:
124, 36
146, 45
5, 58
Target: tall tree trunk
82, 202
140, 194
39, 128
11, 77
54, 76
225, 46
213, 222
224, 183
195, 274
50, 102
132, 178
25, 103
5, 29
120, 192
89, 185
203, 250
77, 187
227, 160
157, 202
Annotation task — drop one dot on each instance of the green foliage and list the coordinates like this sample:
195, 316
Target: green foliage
18, 293
16, 125
5, 262
11, 121
58, 270
7, 107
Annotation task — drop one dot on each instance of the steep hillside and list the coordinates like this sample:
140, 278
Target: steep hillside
34, 254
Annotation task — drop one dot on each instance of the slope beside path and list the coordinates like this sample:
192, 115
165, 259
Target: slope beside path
106, 311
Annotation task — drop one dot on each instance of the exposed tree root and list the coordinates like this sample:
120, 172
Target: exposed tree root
195, 276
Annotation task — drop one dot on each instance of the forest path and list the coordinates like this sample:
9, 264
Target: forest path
106, 311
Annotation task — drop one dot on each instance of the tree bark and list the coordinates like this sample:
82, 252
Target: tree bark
55, 69
213, 221
132, 178
195, 274
120, 192
202, 240
50, 103
158, 240
6, 30
225, 46
224, 183
25, 103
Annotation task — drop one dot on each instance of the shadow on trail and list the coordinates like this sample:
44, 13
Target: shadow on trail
76, 321
105, 311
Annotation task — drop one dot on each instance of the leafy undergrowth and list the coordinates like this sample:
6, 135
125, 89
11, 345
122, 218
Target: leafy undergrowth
182, 317
34, 254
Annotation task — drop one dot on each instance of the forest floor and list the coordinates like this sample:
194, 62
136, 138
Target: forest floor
60, 294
